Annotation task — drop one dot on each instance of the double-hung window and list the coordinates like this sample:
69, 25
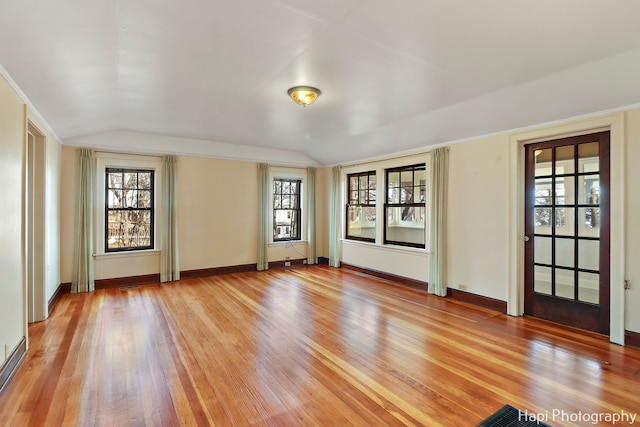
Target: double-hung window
287, 211
405, 207
361, 207
129, 209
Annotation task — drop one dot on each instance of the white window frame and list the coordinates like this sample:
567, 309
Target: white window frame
380, 167
364, 223
289, 173
128, 161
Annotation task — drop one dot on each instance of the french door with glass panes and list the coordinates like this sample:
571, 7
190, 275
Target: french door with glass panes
567, 231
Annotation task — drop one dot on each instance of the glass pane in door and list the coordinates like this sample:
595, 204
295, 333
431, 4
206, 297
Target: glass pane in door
589, 287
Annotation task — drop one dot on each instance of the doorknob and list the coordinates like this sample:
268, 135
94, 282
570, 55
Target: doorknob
526, 238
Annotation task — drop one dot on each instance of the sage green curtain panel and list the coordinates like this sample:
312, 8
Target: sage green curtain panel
334, 219
82, 278
169, 256
438, 223
264, 209
312, 257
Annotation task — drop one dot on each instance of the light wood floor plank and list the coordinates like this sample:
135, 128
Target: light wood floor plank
312, 346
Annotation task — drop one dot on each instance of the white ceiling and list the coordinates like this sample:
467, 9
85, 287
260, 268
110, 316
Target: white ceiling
395, 75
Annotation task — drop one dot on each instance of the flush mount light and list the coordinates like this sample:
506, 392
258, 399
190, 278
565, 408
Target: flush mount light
304, 95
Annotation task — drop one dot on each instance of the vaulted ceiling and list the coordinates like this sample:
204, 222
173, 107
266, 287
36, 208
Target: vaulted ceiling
395, 75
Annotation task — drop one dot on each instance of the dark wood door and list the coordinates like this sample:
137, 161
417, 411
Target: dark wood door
567, 231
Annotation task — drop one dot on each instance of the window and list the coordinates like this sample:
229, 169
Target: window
287, 213
405, 208
361, 207
129, 209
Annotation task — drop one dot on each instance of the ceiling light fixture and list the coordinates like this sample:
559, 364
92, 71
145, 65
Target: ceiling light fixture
304, 95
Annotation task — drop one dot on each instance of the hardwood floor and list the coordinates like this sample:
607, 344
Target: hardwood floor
303, 347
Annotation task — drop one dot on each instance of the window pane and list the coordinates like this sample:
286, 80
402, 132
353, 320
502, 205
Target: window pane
130, 198
565, 221
114, 199
113, 229
129, 209
405, 225
361, 222
589, 254
286, 224
144, 180
406, 194
372, 190
364, 182
411, 231
565, 251
542, 280
406, 178
590, 189
361, 212
353, 182
363, 196
286, 212
565, 159
393, 183
295, 225
542, 250
353, 197
565, 189
589, 287
408, 213
130, 180
591, 218
543, 220
420, 177
589, 157
543, 191
543, 162
565, 283
393, 195
114, 179
144, 200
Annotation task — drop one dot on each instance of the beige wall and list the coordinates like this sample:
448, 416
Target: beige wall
480, 206
218, 223
12, 302
401, 261
632, 216
479, 216
217, 220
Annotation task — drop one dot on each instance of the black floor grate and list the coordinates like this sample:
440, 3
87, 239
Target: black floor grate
508, 416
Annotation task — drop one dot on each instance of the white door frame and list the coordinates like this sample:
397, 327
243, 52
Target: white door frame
35, 256
615, 124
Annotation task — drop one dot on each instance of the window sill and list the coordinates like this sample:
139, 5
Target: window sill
127, 254
289, 242
388, 247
